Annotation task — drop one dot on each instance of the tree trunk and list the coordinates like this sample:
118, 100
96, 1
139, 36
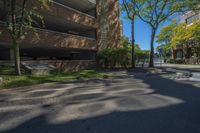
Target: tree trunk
133, 43
14, 35
151, 63
17, 58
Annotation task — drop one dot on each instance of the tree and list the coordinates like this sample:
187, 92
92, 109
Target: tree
124, 42
164, 39
187, 37
166, 33
18, 19
154, 12
129, 7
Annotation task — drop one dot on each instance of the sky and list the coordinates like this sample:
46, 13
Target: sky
142, 32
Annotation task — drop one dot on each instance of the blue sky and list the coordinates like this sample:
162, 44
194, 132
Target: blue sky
142, 32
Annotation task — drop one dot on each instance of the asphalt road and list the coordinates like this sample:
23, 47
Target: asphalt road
127, 103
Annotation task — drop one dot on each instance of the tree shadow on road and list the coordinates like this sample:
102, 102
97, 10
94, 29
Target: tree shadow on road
170, 107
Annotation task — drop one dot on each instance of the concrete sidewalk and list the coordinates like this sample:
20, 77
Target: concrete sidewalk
182, 66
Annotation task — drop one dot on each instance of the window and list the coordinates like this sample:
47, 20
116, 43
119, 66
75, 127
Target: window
191, 19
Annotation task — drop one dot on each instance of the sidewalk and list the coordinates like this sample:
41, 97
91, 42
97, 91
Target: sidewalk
181, 66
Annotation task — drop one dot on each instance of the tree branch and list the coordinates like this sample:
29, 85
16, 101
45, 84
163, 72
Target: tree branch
22, 18
127, 9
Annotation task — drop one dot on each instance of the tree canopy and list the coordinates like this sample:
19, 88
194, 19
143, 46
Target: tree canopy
166, 33
185, 37
185, 34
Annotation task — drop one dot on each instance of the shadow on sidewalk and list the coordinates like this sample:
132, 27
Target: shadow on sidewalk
141, 113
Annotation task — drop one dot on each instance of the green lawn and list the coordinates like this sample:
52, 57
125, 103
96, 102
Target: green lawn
10, 80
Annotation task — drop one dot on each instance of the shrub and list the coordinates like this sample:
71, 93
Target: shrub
170, 61
111, 58
141, 56
179, 61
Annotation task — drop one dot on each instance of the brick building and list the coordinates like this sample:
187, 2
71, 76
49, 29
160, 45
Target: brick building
74, 31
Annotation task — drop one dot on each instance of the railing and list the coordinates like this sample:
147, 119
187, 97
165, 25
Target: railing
61, 33
56, 32
73, 9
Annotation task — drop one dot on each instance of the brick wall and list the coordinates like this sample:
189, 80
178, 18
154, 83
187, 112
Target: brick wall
63, 65
109, 23
49, 39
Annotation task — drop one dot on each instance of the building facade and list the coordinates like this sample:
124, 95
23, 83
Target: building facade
187, 18
74, 31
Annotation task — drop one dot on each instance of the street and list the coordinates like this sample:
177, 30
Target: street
126, 103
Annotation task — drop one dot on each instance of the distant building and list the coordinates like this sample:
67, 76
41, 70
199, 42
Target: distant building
190, 16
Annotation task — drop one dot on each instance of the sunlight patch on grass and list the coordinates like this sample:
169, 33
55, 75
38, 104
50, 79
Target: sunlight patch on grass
11, 81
